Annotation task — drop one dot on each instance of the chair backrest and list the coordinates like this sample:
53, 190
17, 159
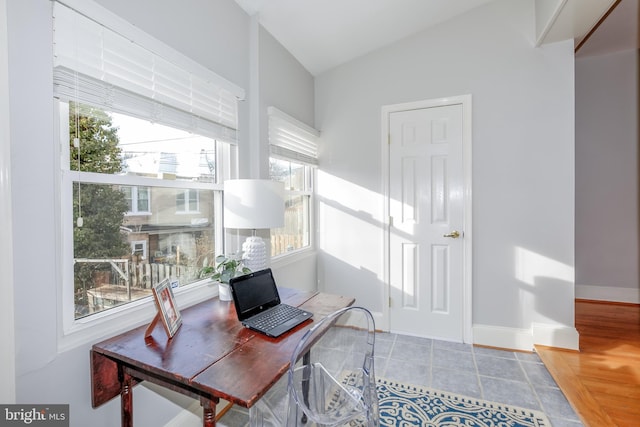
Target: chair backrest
331, 378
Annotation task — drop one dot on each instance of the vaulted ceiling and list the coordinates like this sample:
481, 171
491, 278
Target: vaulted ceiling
322, 34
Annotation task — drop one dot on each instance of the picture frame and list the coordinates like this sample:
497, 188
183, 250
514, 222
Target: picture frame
167, 309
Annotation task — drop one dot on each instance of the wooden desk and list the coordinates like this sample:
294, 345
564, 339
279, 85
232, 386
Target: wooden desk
211, 357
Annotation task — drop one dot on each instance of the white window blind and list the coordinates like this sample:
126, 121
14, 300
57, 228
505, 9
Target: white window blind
96, 65
291, 139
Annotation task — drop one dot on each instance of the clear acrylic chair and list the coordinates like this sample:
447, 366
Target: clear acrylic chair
331, 380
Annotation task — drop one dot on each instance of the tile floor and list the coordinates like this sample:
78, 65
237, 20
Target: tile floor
514, 378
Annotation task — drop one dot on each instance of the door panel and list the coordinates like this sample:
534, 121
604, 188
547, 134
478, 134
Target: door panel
425, 204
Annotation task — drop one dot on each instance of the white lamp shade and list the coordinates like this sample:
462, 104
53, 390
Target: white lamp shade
253, 203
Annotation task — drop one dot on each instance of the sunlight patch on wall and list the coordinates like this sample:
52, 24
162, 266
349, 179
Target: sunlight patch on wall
349, 195
531, 265
350, 222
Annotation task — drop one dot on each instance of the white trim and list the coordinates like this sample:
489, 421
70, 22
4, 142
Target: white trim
295, 256
140, 181
7, 331
608, 293
466, 102
555, 335
123, 318
550, 23
110, 20
559, 336
501, 337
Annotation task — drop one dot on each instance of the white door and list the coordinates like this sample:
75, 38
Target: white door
426, 207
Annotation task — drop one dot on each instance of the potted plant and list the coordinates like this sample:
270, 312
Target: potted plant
226, 267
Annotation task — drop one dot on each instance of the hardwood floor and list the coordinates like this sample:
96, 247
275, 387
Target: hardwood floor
602, 380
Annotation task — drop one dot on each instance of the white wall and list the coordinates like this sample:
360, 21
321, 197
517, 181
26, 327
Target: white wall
523, 164
607, 230
284, 84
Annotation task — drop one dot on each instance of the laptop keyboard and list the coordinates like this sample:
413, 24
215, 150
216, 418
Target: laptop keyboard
280, 314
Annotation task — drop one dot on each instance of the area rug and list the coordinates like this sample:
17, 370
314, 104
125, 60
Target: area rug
403, 405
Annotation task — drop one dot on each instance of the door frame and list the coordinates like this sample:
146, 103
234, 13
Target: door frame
467, 286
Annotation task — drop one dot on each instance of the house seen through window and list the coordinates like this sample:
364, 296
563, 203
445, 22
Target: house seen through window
144, 205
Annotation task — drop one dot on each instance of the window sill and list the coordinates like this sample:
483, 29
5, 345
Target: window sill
292, 257
117, 320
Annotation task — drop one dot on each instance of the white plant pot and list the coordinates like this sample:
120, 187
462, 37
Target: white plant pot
224, 292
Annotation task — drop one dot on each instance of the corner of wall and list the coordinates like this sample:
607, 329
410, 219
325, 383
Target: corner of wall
559, 336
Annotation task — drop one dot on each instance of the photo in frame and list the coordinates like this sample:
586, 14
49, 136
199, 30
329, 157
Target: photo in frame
167, 308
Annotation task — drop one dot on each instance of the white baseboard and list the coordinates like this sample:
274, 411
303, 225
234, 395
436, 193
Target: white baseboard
501, 337
379, 319
524, 339
608, 293
555, 336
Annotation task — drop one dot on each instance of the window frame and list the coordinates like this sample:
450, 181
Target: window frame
293, 141
309, 192
75, 332
145, 249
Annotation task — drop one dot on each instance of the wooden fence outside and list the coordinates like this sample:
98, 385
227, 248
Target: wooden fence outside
283, 243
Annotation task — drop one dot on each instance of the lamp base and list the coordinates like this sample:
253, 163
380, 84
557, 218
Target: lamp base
254, 253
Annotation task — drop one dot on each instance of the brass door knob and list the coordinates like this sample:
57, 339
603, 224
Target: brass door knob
454, 234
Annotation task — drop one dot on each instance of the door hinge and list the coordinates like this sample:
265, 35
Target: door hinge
389, 139
390, 221
389, 302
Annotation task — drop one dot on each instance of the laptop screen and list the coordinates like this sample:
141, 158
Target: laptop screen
254, 292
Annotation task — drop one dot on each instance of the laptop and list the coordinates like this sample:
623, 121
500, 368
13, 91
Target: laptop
258, 304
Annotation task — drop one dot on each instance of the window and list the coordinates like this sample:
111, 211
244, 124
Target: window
146, 145
116, 225
139, 249
293, 159
187, 201
137, 199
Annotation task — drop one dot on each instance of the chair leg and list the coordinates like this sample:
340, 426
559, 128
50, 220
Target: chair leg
261, 415
306, 373
295, 415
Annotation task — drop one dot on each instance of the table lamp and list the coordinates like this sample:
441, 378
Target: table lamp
253, 204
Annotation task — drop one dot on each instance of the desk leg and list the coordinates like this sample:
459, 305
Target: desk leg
126, 400
209, 411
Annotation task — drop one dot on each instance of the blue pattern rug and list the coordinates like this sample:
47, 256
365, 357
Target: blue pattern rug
403, 405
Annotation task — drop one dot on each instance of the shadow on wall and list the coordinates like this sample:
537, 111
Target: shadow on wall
542, 277
350, 242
